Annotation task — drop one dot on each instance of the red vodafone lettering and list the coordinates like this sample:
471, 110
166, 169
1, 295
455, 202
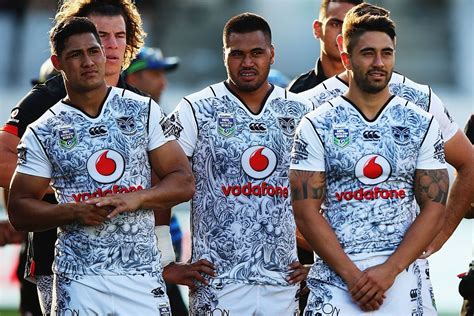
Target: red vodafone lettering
248, 189
84, 196
371, 194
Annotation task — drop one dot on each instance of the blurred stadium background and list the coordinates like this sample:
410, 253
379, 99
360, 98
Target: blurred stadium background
434, 46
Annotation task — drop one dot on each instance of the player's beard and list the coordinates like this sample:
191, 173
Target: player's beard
367, 85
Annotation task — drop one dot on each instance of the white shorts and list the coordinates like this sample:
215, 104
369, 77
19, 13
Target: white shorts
115, 295
244, 299
44, 287
406, 296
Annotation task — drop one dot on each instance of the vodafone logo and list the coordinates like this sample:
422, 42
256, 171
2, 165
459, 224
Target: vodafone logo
106, 166
259, 161
372, 169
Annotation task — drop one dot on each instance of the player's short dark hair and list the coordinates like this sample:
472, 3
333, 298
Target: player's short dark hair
135, 35
323, 8
246, 23
366, 18
68, 27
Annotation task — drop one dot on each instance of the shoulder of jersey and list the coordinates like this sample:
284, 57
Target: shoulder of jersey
131, 95
215, 90
411, 106
401, 79
328, 84
298, 98
326, 106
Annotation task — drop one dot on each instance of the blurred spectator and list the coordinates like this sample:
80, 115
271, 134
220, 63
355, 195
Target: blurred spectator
148, 71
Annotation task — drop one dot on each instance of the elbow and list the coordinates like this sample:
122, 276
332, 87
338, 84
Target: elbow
16, 219
189, 186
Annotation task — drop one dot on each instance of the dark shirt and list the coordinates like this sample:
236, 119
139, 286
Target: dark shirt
308, 80
35, 103
469, 129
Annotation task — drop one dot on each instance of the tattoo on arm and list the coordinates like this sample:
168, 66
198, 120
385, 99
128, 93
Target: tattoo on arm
431, 185
307, 185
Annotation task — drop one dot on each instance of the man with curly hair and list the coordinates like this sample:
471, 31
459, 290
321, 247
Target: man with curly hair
120, 29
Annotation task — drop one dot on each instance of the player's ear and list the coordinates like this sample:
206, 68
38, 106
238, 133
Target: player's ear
339, 41
317, 28
55, 62
272, 50
346, 61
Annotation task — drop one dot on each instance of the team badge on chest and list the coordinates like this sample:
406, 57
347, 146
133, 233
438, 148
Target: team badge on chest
127, 125
67, 137
225, 124
341, 136
401, 134
287, 125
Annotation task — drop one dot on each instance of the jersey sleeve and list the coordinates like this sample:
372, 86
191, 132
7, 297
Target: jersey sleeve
308, 151
182, 124
32, 158
156, 136
446, 123
431, 154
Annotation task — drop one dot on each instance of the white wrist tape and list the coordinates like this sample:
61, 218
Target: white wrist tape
165, 244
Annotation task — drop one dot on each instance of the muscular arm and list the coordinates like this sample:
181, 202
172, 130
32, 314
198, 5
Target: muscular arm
308, 193
176, 184
431, 189
27, 212
460, 154
8, 157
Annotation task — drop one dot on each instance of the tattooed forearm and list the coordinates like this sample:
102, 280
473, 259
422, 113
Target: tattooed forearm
307, 185
431, 185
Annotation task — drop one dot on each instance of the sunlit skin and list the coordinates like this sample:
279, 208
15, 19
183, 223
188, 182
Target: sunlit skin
112, 32
370, 65
247, 58
326, 30
82, 63
151, 81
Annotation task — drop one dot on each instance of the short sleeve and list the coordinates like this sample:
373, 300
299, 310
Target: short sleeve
182, 124
32, 158
446, 123
431, 154
156, 136
308, 151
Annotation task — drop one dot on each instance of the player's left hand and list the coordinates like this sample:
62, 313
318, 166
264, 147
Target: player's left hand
189, 273
117, 203
300, 272
369, 290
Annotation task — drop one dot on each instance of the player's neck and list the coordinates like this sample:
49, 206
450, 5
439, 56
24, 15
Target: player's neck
331, 67
369, 104
252, 99
90, 101
112, 80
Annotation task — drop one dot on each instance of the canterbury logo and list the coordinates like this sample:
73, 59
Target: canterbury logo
258, 127
96, 131
371, 135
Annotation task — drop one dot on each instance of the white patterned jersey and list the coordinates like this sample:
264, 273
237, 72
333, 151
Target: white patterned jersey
399, 85
370, 168
88, 157
242, 219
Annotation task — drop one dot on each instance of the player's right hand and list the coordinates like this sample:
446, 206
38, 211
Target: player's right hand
189, 273
89, 215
